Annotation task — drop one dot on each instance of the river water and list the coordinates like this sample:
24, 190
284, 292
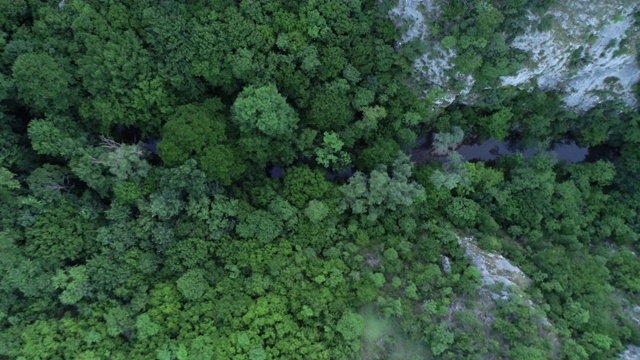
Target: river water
490, 150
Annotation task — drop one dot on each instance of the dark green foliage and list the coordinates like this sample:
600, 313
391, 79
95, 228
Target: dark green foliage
42, 82
380, 152
330, 110
59, 235
138, 219
190, 130
303, 184
198, 130
56, 136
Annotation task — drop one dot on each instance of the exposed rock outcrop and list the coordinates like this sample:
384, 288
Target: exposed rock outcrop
586, 50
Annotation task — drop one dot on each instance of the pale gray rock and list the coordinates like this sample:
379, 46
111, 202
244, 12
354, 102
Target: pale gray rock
601, 32
631, 353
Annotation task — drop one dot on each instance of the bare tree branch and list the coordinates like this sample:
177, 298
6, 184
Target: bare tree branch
109, 143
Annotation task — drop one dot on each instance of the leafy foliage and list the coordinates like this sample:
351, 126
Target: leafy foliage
264, 109
138, 219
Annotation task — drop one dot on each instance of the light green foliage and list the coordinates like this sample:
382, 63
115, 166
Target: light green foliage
264, 109
91, 171
165, 204
351, 325
380, 192
366, 128
378, 279
7, 181
390, 255
138, 221
127, 192
463, 212
56, 136
575, 314
453, 173
118, 320
444, 143
260, 225
411, 291
39, 340
73, 282
146, 327
488, 18
316, 211
331, 154
126, 163
623, 265
497, 125
192, 285
448, 42
441, 339
363, 98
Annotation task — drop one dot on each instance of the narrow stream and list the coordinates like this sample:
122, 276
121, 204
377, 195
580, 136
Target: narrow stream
490, 150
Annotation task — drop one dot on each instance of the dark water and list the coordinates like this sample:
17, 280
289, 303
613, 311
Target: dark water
276, 172
152, 145
490, 150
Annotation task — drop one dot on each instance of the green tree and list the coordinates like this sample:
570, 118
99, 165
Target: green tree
330, 110
444, 143
73, 282
221, 163
331, 154
56, 136
302, 184
260, 225
496, 125
379, 192
350, 325
190, 130
316, 211
192, 285
264, 109
42, 82
146, 327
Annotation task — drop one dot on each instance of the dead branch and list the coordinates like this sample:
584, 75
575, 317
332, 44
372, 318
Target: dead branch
109, 143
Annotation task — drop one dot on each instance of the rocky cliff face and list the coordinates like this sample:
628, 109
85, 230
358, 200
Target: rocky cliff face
415, 16
585, 49
588, 52
501, 281
631, 353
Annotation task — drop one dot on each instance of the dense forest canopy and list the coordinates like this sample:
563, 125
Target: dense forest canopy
139, 220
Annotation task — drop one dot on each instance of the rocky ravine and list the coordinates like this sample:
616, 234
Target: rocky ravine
588, 51
501, 280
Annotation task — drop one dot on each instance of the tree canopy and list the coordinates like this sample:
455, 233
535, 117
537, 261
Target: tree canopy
268, 180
